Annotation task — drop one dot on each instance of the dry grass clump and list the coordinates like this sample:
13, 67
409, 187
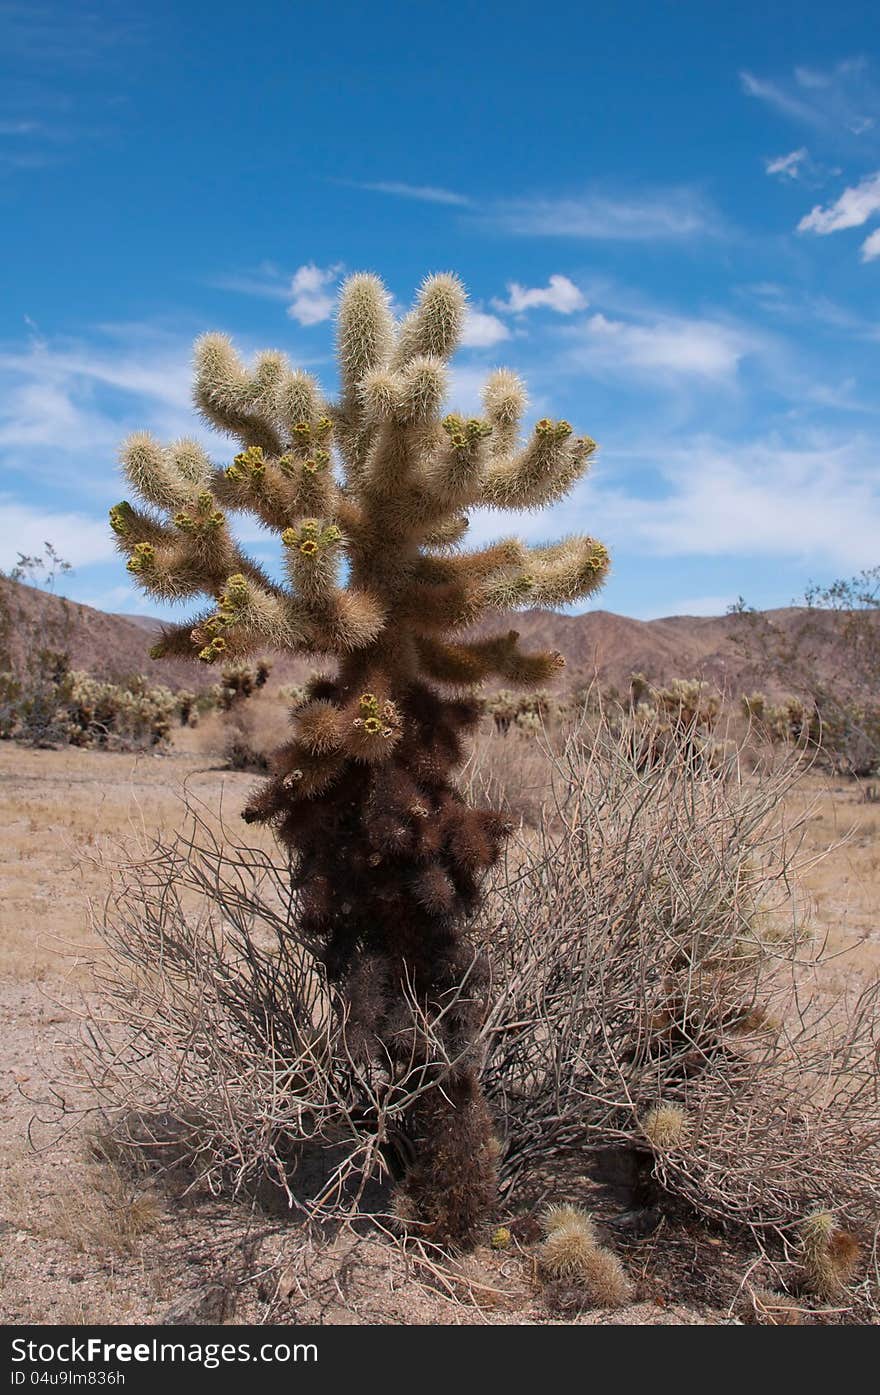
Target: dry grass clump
573, 1257
111, 1209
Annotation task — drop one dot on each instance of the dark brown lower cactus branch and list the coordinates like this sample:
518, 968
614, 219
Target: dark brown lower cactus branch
388, 865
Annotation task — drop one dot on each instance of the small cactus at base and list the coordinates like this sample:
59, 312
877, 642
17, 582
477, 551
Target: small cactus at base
665, 1126
573, 1256
771, 1309
830, 1254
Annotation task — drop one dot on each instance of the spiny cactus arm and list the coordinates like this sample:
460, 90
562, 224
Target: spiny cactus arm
132, 526
364, 344
233, 400
176, 641
403, 408
167, 477
567, 571
543, 471
249, 617
279, 491
464, 567
504, 401
454, 474
447, 533
435, 323
469, 664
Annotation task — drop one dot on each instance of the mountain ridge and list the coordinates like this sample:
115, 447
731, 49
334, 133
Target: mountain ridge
599, 645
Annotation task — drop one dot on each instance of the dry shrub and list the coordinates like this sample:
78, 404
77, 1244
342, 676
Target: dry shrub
652, 988
215, 1046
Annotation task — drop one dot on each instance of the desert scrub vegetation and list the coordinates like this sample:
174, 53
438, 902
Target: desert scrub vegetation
54, 705
840, 621
652, 992
386, 856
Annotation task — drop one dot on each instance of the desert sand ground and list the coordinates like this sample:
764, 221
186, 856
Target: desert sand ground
83, 1241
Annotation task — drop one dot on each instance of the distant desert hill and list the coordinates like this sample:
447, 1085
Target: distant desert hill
597, 645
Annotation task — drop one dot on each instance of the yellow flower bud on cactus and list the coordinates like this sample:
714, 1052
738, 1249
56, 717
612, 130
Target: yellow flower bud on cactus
308, 547
501, 1238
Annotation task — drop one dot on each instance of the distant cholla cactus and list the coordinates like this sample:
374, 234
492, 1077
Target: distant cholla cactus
368, 498
97, 713
786, 721
529, 712
239, 681
683, 715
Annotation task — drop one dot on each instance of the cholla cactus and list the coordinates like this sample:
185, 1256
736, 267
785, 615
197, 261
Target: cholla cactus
98, 713
572, 1256
388, 858
530, 712
786, 721
830, 1254
240, 681
665, 1126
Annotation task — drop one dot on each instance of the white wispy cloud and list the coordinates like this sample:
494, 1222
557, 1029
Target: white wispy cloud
871, 247
77, 537
853, 208
311, 299
424, 193
482, 330
788, 166
307, 292
65, 404
666, 214
560, 294
815, 500
841, 102
668, 345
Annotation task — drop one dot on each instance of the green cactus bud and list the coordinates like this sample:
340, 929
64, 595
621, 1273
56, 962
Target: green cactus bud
120, 518
142, 559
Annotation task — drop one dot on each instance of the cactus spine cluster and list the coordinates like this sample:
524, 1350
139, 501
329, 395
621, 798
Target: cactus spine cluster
369, 498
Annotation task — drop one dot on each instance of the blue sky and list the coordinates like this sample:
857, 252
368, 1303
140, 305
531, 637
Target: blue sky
667, 216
